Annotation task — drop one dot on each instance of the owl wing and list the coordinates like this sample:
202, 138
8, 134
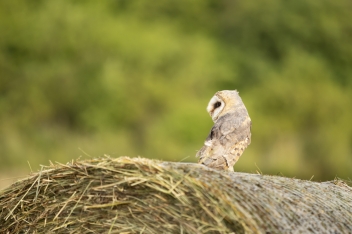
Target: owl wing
236, 142
227, 138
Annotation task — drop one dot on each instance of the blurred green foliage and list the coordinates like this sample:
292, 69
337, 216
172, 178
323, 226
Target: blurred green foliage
133, 78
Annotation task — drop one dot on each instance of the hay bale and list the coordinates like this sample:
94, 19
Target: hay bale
126, 195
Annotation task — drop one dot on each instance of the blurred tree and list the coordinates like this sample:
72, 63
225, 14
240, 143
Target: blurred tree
134, 77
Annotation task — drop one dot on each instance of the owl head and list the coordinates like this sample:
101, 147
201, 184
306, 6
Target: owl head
223, 102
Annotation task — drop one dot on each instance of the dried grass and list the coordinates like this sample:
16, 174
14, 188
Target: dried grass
126, 195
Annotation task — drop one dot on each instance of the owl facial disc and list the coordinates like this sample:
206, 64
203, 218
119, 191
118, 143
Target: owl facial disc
215, 106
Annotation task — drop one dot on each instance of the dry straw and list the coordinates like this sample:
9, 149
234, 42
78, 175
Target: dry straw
126, 195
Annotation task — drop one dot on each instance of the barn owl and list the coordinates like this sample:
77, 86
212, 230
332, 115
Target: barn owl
231, 133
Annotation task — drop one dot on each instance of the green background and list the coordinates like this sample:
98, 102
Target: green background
88, 78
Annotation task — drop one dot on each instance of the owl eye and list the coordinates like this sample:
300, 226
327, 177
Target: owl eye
217, 104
